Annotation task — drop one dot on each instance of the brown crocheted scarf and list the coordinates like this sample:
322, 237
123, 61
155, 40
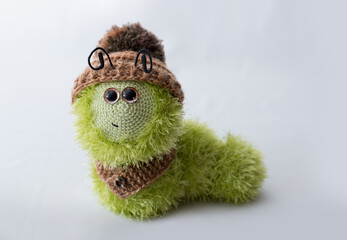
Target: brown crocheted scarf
125, 182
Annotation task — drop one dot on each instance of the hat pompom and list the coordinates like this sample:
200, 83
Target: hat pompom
132, 37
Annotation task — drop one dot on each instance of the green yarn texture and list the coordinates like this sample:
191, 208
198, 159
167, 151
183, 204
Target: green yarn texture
130, 117
157, 136
206, 168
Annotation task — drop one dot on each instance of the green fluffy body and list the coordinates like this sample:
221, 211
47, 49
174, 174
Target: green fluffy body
205, 167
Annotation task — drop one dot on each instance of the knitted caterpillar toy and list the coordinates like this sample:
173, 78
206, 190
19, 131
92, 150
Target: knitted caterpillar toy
145, 158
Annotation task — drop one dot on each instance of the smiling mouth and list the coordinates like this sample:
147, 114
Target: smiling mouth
115, 125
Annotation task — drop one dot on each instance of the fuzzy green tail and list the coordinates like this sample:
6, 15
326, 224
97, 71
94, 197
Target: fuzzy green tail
230, 170
238, 173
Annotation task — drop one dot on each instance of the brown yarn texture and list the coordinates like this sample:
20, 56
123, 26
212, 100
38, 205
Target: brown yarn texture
132, 179
124, 69
132, 37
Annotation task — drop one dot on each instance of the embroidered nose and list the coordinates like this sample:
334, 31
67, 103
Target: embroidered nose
121, 182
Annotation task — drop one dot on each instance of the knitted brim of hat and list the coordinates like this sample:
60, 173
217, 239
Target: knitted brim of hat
124, 70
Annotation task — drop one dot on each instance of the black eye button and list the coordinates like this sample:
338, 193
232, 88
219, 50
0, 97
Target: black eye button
121, 182
130, 95
111, 95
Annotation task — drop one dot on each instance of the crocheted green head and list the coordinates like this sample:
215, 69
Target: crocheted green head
121, 109
118, 131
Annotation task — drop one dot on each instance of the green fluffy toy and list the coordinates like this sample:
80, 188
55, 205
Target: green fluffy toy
145, 159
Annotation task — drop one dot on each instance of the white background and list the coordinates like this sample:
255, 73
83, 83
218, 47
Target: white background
272, 71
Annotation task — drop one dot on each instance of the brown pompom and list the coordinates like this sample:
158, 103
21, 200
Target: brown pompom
132, 37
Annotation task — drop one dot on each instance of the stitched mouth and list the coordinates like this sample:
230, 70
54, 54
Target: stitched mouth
115, 125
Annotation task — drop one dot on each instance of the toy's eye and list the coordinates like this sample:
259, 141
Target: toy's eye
130, 94
111, 95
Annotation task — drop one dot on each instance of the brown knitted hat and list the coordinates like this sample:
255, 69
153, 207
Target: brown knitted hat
121, 48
